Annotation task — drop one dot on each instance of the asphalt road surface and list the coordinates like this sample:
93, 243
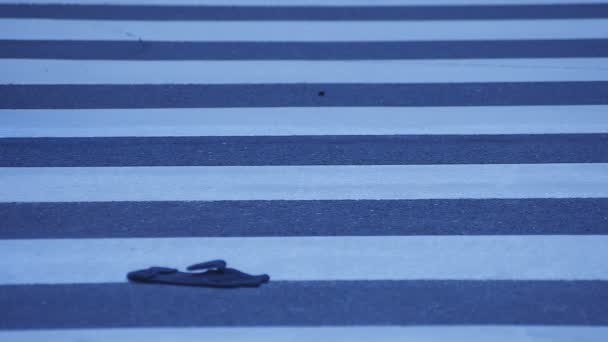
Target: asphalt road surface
403, 170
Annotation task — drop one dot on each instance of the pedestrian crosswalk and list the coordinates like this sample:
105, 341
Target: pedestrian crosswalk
402, 169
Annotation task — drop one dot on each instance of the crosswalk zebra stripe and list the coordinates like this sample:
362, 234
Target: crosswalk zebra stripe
213, 183
293, 31
155, 50
541, 216
21, 71
303, 334
63, 261
105, 96
20, 123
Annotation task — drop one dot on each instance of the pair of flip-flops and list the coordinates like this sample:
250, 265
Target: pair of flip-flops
215, 274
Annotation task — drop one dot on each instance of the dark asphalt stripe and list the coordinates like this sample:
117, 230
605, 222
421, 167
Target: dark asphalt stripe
306, 303
302, 95
580, 216
154, 50
150, 12
305, 150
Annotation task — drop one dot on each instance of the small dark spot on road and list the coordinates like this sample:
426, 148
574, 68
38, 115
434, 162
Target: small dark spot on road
322, 93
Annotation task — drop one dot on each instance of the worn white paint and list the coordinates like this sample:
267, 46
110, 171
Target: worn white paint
486, 333
302, 121
43, 71
60, 261
299, 31
209, 183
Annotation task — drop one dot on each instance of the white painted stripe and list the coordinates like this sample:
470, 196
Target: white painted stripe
41, 71
566, 257
209, 183
303, 2
484, 333
302, 121
301, 30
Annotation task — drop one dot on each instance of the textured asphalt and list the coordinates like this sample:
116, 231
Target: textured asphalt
175, 50
305, 150
305, 218
307, 303
185, 12
303, 95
